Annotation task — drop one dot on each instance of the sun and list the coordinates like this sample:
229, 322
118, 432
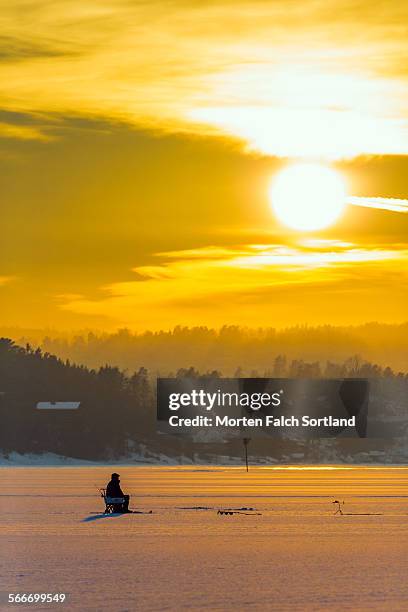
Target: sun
307, 197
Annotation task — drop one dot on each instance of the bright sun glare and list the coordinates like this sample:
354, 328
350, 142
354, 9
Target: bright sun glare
307, 197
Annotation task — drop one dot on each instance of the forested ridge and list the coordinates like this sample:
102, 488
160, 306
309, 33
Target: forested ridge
226, 348
117, 414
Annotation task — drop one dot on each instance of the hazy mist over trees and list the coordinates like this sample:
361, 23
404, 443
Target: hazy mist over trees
227, 348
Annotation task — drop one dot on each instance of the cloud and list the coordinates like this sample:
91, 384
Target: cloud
23, 132
14, 49
391, 204
290, 79
68, 297
193, 286
205, 253
4, 280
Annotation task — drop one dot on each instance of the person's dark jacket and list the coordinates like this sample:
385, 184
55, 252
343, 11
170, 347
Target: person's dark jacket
113, 489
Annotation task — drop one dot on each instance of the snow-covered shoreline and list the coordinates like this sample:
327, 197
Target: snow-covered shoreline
53, 460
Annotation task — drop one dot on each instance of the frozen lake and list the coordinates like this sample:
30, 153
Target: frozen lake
296, 556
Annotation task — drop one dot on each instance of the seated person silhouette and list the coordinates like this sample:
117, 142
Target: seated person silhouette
113, 490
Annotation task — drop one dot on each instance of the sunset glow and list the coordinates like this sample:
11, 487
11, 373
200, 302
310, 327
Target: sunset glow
146, 147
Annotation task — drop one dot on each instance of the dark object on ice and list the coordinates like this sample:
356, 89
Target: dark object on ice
340, 511
231, 512
115, 499
246, 441
194, 508
113, 487
243, 508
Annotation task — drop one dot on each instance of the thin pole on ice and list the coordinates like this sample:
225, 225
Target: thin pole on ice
246, 442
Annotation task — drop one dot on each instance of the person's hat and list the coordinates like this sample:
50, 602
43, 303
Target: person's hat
115, 475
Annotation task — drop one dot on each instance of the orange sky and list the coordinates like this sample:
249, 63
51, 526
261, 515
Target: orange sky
138, 142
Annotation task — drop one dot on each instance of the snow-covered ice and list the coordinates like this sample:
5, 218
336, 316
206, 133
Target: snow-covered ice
296, 556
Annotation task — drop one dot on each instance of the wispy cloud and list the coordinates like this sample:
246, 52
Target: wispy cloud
205, 282
14, 49
392, 204
23, 132
68, 297
206, 253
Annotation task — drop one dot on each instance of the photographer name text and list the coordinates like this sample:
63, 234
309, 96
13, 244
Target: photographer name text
267, 421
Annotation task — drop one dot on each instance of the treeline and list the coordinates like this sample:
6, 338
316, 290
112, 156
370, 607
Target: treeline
227, 348
114, 408
117, 414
